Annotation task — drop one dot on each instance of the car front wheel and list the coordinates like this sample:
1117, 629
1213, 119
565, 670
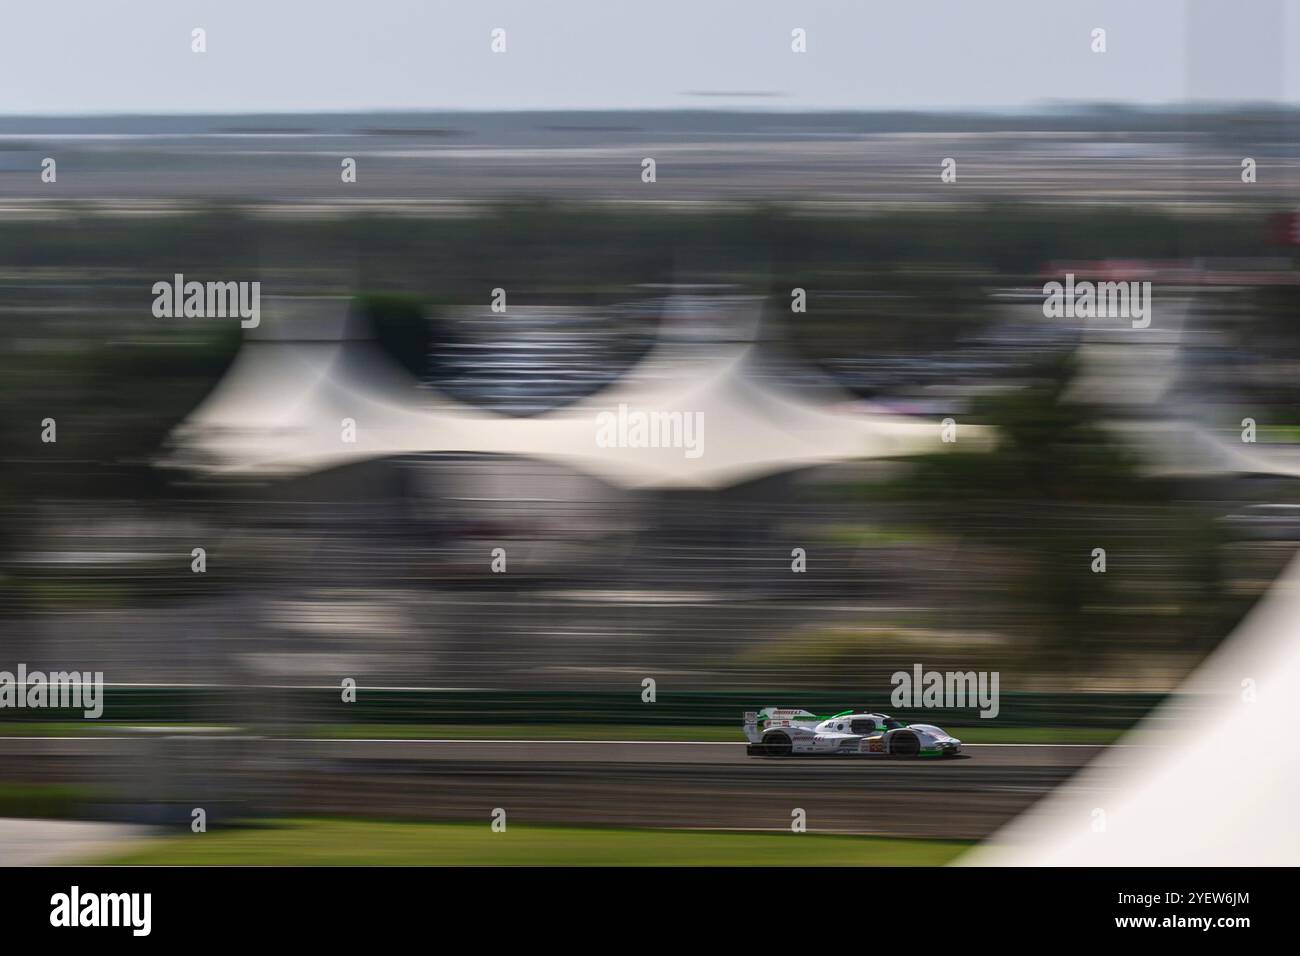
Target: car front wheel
905, 745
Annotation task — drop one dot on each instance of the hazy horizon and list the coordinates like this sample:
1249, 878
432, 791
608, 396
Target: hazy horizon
582, 55
1044, 108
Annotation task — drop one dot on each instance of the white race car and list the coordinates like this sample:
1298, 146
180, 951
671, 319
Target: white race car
780, 732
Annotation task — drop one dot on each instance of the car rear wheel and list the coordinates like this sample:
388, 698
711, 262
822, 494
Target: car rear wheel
905, 744
777, 744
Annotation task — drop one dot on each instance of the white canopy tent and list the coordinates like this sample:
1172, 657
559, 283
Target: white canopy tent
279, 412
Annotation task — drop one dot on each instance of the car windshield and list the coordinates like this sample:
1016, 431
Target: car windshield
892, 724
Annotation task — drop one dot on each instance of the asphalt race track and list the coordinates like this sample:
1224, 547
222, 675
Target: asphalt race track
609, 783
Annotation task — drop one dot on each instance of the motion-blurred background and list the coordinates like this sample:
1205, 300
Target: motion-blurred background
924, 301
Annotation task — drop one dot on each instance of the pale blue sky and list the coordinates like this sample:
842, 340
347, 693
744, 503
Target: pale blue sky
97, 56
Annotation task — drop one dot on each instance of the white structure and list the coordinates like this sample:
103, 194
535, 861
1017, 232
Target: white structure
281, 410
1215, 783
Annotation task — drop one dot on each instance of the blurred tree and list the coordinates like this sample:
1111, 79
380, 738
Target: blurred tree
1057, 486
403, 328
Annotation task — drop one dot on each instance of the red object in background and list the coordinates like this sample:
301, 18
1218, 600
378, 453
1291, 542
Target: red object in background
1287, 229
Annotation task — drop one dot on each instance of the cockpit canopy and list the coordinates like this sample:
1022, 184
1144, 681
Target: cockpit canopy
850, 722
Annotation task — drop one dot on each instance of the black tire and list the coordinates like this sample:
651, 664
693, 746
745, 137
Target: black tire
905, 744
778, 744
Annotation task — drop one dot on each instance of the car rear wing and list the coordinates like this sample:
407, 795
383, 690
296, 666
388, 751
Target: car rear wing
756, 721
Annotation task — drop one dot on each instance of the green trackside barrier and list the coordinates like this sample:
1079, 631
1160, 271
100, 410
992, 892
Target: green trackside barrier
703, 708
324, 705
